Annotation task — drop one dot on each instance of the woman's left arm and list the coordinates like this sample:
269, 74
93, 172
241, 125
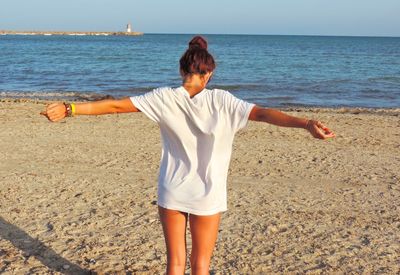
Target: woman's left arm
275, 117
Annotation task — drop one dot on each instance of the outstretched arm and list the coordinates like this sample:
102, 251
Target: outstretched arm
57, 111
275, 117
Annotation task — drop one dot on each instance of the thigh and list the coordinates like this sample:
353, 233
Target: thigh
204, 232
174, 227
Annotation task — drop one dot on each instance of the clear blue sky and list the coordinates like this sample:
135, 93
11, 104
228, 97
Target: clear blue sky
314, 17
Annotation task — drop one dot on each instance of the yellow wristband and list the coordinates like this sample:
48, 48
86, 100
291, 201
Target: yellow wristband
73, 109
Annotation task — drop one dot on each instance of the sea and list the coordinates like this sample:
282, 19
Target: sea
269, 70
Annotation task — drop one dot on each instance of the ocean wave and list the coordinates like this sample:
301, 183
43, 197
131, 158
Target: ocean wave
55, 95
133, 91
391, 79
239, 87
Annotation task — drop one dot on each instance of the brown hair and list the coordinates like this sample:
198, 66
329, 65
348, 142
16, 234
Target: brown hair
196, 59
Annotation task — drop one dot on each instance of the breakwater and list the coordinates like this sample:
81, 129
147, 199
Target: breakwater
6, 32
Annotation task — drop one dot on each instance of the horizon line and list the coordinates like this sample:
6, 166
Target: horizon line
261, 34
201, 33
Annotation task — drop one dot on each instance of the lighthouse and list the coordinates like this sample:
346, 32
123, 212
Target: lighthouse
128, 27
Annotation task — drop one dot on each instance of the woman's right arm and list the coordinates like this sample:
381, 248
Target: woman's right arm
57, 111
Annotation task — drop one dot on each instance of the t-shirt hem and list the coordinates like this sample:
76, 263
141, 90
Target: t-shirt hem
194, 211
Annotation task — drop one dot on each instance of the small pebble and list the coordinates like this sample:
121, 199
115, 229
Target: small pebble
49, 226
272, 229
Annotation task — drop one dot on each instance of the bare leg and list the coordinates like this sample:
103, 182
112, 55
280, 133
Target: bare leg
174, 227
204, 231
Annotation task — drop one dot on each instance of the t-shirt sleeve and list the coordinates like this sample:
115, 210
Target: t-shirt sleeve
151, 104
237, 110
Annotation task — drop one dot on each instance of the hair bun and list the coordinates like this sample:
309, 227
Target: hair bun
198, 42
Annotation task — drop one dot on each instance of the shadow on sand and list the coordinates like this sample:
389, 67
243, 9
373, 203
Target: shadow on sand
47, 256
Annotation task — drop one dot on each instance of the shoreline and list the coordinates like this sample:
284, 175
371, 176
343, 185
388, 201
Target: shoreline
49, 33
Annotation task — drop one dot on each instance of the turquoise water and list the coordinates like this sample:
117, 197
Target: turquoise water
268, 70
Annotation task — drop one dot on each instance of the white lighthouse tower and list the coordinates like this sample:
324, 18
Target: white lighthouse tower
128, 27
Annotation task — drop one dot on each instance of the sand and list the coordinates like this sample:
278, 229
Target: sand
79, 196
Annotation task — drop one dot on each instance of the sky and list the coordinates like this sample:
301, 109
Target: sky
284, 17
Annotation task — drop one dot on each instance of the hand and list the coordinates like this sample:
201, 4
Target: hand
55, 112
319, 130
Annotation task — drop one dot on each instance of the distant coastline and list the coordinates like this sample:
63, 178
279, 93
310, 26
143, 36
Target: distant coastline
6, 32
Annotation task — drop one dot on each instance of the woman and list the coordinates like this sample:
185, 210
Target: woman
197, 126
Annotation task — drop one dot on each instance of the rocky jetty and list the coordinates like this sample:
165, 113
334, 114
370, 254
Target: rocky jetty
6, 32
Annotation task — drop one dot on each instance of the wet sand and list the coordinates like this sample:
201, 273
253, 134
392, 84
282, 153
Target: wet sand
80, 195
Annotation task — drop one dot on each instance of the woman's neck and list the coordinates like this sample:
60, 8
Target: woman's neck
196, 83
193, 86
193, 89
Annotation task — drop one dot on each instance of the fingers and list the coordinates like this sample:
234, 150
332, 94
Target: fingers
327, 133
330, 135
318, 133
54, 105
56, 118
326, 129
54, 112
322, 126
319, 130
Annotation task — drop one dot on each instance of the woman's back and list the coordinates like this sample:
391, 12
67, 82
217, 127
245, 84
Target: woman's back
197, 135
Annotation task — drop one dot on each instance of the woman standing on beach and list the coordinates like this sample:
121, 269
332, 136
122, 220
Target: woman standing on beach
197, 127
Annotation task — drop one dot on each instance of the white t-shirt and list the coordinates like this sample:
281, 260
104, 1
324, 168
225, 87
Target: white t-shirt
197, 135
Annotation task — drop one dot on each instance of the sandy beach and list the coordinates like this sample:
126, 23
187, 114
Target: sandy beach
79, 196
